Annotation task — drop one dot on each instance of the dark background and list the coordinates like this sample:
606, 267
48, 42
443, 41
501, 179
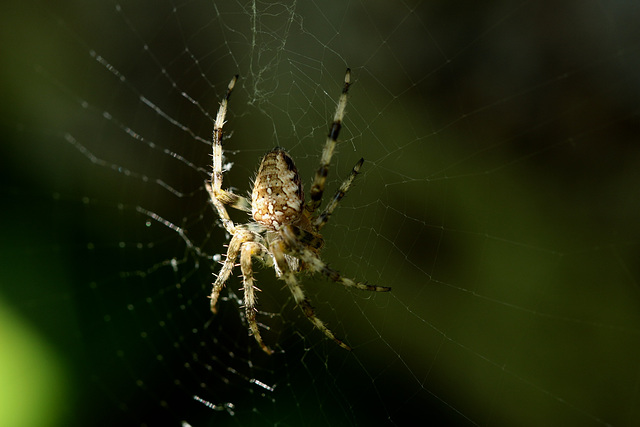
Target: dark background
499, 200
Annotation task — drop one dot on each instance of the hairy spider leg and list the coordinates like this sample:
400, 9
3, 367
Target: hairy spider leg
315, 264
322, 219
317, 188
250, 250
278, 250
220, 197
240, 238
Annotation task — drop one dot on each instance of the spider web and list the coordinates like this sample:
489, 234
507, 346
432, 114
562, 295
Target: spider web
499, 199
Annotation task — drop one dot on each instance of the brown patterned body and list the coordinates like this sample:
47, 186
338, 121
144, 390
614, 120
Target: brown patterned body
277, 198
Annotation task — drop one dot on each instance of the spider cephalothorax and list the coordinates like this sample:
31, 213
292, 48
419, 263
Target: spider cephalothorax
286, 231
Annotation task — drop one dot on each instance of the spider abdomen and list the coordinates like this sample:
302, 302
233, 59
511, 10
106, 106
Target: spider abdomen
277, 198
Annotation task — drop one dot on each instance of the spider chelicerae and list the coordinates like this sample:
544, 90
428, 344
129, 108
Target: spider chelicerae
285, 233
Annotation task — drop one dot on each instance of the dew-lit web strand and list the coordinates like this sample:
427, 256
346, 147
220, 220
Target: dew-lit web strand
143, 99
123, 80
98, 161
171, 226
180, 231
130, 132
173, 262
122, 170
164, 72
228, 406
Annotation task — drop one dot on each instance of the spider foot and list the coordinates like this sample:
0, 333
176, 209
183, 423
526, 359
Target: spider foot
262, 345
214, 300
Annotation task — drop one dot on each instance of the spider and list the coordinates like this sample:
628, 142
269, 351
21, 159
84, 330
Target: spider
285, 231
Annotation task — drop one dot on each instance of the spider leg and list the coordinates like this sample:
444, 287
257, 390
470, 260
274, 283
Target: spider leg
235, 245
344, 187
220, 197
277, 248
216, 175
317, 188
229, 198
315, 264
249, 250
